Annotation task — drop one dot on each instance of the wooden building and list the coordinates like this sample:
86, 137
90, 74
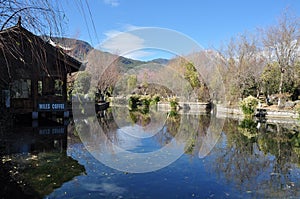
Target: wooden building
33, 75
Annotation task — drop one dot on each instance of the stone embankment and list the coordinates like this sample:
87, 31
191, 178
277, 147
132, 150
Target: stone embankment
191, 107
270, 114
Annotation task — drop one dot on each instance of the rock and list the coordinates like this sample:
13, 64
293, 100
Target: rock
289, 104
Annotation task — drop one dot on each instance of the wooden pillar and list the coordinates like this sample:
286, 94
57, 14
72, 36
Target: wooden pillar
34, 89
64, 87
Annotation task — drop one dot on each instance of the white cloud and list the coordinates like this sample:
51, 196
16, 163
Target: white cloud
121, 42
138, 55
113, 3
124, 43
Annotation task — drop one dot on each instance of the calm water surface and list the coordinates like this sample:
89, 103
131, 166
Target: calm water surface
247, 160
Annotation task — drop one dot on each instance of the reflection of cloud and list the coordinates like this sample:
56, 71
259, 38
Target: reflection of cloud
127, 142
108, 188
113, 3
112, 188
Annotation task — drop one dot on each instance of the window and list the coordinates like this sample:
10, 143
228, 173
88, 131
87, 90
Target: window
58, 86
21, 88
6, 98
48, 87
40, 88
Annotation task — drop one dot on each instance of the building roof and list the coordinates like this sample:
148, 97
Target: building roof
13, 37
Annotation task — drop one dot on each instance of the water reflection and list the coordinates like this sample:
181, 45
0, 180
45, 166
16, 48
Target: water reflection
257, 159
34, 160
248, 159
262, 159
144, 142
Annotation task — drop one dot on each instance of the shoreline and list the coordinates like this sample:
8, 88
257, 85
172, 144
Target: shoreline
271, 114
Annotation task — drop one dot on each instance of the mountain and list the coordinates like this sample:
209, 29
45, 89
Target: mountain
80, 49
160, 61
76, 48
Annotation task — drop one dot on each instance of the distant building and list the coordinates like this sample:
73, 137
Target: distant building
33, 76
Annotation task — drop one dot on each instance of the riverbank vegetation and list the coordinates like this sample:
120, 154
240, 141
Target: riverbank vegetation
264, 64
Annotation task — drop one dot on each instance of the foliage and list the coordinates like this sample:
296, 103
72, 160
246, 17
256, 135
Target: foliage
145, 102
282, 40
131, 82
190, 145
248, 105
191, 75
139, 117
271, 78
142, 101
82, 83
295, 140
173, 102
133, 101
155, 99
248, 128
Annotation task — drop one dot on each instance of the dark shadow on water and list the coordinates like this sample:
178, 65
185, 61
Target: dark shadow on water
34, 160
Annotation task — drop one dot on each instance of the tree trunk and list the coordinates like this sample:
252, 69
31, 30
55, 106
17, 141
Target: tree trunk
280, 88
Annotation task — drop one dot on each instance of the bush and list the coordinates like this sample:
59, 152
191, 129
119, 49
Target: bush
133, 101
155, 99
173, 102
248, 105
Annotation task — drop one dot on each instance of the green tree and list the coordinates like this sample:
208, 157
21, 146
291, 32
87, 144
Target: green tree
131, 82
271, 78
191, 75
82, 83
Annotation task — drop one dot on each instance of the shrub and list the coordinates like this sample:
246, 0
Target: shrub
248, 105
133, 101
155, 99
173, 102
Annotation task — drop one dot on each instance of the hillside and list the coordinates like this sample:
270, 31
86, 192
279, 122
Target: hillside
80, 49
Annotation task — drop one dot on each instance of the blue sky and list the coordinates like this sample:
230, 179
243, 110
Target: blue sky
209, 22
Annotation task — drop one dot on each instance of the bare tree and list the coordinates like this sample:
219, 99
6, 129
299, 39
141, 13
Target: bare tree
40, 17
243, 64
282, 42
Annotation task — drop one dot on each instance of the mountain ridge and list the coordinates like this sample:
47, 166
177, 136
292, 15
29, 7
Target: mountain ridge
79, 49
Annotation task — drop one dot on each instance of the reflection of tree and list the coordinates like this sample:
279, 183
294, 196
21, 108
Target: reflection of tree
189, 129
38, 175
184, 128
248, 128
257, 164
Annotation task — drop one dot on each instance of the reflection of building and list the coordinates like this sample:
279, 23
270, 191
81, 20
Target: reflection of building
33, 74
37, 157
48, 137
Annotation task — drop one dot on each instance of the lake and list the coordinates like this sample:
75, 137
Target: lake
123, 154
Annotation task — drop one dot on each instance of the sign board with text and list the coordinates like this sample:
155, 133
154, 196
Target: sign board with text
51, 106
